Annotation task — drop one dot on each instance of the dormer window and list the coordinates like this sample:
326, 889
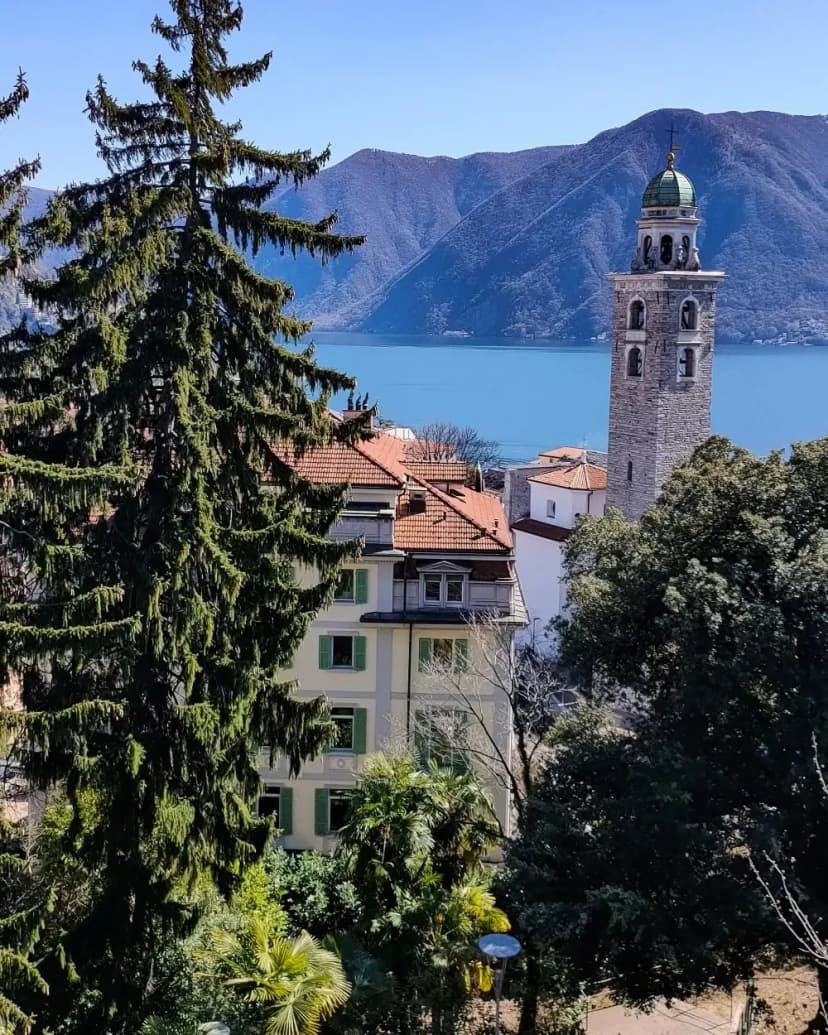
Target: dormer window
637, 315
666, 249
443, 590
686, 363
689, 315
635, 362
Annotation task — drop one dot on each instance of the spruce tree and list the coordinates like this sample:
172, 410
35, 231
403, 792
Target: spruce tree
21, 920
150, 530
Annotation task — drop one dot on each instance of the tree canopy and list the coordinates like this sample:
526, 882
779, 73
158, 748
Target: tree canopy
149, 530
708, 621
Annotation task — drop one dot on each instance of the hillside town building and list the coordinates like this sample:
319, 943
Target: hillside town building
435, 554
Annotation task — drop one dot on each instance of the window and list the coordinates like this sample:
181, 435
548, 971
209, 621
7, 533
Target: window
342, 652
687, 363
636, 315
647, 250
629, 470
443, 652
339, 810
343, 720
346, 652
441, 736
550, 508
345, 587
332, 810
443, 590
666, 250
635, 362
352, 587
351, 729
277, 802
689, 316
432, 590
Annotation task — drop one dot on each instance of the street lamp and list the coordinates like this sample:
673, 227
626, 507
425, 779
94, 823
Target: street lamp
499, 947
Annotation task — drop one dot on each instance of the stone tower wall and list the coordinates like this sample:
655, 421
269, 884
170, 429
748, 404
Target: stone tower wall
658, 419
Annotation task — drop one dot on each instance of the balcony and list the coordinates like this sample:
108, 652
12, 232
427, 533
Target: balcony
491, 596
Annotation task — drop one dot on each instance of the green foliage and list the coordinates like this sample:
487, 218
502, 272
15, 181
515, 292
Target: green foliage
707, 623
143, 498
297, 982
315, 891
624, 878
414, 846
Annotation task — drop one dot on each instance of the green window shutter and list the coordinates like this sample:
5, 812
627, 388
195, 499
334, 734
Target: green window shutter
324, 652
286, 810
361, 586
321, 812
359, 653
461, 655
360, 730
425, 651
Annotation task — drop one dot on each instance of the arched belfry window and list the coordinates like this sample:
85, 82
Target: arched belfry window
689, 315
666, 250
687, 363
647, 249
635, 362
637, 316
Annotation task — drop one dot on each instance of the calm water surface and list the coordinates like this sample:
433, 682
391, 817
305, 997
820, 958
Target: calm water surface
532, 395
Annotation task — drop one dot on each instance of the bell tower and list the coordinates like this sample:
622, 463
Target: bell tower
662, 346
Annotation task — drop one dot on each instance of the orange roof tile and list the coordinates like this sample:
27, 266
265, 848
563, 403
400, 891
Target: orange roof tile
576, 476
468, 522
564, 453
437, 470
458, 520
343, 464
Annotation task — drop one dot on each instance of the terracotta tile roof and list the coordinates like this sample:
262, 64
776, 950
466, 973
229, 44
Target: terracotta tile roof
373, 462
452, 523
563, 453
437, 470
458, 520
542, 529
576, 476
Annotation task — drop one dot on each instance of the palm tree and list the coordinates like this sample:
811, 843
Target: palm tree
296, 981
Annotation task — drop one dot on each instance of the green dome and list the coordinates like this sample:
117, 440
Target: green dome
670, 189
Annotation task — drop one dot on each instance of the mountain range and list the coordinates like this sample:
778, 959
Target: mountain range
518, 244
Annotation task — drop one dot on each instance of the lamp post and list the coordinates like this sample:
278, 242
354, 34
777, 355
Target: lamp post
499, 947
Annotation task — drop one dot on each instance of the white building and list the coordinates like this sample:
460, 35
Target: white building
544, 501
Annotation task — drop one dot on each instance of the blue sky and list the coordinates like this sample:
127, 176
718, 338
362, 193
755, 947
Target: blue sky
428, 76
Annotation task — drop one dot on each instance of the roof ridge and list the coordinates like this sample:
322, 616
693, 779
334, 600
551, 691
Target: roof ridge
451, 502
375, 461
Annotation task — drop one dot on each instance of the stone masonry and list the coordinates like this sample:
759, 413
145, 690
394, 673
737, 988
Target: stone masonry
657, 419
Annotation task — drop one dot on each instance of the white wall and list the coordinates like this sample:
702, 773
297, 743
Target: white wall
540, 567
568, 503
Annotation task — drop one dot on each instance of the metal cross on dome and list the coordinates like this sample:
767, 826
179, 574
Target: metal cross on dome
673, 146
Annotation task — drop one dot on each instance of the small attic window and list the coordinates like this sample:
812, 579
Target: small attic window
417, 501
636, 318
635, 362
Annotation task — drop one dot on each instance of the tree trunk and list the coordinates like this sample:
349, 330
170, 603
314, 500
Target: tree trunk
820, 1022
531, 995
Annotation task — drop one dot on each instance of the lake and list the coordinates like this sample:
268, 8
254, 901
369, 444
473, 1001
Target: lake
532, 395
